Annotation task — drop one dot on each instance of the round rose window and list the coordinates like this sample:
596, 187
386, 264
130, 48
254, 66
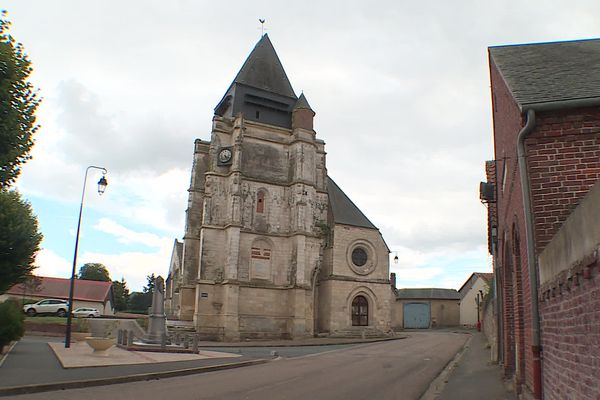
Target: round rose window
359, 256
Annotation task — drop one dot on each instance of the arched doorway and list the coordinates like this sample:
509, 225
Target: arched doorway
360, 311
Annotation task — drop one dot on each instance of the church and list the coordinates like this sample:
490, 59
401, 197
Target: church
273, 248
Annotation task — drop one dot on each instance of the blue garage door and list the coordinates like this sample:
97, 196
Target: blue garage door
416, 315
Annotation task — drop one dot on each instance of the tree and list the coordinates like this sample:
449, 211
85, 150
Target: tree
18, 104
141, 301
149, 288
11, 323
121, 293
19, 239
94, 272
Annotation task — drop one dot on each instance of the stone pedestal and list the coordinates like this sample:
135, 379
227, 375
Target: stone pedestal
157, 320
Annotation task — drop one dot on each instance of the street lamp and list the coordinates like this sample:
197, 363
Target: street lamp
102, 183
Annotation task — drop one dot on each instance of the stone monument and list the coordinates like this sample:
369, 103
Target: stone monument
157, 320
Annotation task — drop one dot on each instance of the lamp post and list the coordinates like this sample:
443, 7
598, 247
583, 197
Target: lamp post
102, 183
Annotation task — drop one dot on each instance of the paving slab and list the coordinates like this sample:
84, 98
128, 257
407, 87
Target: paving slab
81, 355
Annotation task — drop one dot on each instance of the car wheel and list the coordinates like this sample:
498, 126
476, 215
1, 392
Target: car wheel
91, 316
31, 312
61, 313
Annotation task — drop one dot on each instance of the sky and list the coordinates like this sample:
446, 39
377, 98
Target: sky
400, 90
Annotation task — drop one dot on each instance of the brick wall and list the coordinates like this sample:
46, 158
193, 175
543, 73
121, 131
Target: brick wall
517, 356
570, 304
563, 154
571, 341
564, 163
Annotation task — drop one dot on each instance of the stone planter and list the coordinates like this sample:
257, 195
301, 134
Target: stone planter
100, 345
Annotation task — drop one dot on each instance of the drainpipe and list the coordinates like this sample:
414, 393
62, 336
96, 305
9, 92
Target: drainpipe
531, 257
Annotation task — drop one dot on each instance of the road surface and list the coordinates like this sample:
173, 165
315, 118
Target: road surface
398, 369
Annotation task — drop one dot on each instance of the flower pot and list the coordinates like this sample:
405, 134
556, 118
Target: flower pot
100, 345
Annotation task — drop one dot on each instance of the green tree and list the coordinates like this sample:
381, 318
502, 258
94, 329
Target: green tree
121, 293
18, 104
19, 239
11, 323
141, 301
94, 272
149, 288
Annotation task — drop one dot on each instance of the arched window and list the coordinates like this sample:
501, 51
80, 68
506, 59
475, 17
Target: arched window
260, 202
360, 311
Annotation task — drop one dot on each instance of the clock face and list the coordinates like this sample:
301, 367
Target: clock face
224, 155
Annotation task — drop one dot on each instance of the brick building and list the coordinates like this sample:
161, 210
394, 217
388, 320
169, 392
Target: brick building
273, 248
546, 120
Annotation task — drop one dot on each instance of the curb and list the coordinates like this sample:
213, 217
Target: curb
292, 344
47, 387
437, 385
5, 354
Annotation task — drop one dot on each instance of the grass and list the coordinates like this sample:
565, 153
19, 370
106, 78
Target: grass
47, 320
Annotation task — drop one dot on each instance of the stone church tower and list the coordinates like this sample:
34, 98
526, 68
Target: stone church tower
273, 248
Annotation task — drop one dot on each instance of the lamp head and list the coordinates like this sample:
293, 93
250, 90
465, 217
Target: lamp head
102, 184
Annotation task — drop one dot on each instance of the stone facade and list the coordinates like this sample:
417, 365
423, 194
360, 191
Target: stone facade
272, 247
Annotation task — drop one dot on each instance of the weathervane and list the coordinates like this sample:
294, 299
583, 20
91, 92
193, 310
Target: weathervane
262, 26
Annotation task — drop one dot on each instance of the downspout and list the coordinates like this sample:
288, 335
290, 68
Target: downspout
531, 258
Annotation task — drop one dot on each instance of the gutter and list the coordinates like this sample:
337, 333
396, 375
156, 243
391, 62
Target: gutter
531, 257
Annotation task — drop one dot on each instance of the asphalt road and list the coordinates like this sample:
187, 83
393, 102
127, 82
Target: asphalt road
399, 369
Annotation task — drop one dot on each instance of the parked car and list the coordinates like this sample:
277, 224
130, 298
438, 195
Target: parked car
86, 312
47, 306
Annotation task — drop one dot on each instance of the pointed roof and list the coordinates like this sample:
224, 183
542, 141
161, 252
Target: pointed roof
302, 103
263, 70
345, 212
550, 75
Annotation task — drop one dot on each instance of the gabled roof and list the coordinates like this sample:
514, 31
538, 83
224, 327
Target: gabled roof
428, 293
263, 70
487, 277
344, 211
550, 75
58, 288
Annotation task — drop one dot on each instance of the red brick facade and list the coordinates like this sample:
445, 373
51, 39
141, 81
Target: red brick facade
571, 338
563, 155
512, 251
564, 163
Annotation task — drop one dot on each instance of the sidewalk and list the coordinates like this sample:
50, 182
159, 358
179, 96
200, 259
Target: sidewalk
474, 377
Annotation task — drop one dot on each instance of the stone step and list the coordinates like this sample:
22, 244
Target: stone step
359, 333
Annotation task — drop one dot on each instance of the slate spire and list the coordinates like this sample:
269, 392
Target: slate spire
263, 70
302, 103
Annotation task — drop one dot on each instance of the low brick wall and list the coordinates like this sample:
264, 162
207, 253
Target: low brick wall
570, 305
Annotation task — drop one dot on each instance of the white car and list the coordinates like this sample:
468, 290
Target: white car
86, 312
47, 306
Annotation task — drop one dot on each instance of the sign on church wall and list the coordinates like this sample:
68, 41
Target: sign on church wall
260, 263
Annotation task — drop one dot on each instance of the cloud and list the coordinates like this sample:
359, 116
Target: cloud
132, 266
127, 236
49, 263
401, 93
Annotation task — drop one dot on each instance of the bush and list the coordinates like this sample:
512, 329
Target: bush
11, 323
